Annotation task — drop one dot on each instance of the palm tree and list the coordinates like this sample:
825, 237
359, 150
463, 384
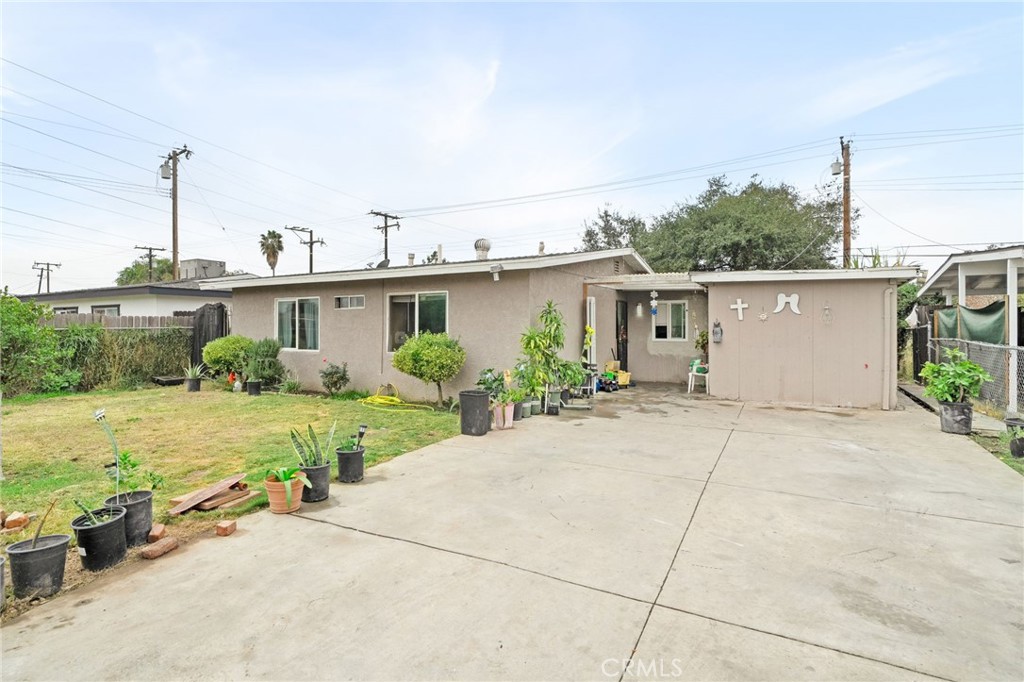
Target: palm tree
270, 246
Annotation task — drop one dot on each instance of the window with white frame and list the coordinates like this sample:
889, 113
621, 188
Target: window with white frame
670, 322
65, 309
410, 314
298, 323
349, 302
112, 310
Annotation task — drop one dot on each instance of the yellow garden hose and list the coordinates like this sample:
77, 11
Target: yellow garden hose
390, 403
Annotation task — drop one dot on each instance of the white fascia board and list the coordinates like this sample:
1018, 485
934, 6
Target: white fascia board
947, 275
903, 273
442, 269
676, 281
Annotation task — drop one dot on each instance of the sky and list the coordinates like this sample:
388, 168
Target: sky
511, 122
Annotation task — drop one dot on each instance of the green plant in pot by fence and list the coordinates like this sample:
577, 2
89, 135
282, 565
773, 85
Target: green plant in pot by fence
282, 484
194, 375
951, 383
431, 358
313, 456
1014, 439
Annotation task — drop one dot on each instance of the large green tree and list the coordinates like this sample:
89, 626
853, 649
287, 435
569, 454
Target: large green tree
138, 271
758, 226
271, 246
613, 230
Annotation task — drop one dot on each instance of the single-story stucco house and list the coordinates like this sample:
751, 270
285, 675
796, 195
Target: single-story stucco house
819, 337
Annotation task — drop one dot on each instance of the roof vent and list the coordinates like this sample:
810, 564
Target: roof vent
540, 249
482, 247
412, 259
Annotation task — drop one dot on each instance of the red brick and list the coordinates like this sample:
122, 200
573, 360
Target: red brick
225, 528
16, 520
160, 547
157, 532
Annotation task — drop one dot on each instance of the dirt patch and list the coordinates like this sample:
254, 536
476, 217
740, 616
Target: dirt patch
191, 528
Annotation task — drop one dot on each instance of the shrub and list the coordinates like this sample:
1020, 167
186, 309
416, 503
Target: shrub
130, 357
955, 379
227, 353
334, 378
31, 359
431, 358
263, 357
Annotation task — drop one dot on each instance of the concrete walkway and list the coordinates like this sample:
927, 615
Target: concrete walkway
655, 537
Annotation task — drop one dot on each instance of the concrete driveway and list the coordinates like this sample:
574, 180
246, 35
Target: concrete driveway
656, 537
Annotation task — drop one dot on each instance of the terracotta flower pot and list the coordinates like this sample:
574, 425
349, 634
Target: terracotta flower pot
278, 498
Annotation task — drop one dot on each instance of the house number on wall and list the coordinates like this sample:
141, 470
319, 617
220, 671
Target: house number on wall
738, 306
793, 300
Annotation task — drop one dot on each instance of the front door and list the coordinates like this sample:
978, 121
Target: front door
621, 335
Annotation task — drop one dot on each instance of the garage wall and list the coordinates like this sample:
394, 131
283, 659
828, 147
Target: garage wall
806, 358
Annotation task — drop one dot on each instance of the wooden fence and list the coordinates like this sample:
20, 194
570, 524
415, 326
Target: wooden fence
64, 320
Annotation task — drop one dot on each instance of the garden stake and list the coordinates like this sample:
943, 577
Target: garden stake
362, 432
35, 538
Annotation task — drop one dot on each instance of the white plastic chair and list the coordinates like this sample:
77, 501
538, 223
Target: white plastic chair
694, 374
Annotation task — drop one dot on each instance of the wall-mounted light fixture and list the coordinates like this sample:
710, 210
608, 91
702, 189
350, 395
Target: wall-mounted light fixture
495, 270
654, 303
639, 309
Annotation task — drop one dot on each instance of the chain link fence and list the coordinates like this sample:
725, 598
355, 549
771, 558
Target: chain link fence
996, 359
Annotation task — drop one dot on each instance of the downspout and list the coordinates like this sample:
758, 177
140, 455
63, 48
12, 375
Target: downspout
887, 348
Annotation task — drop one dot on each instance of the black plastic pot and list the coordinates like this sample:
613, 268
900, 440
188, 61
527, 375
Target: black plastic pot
517, 412
553, 401
1017, 447
955, 418
350, 464
103, 545
320, 478
193, 385
253, 387
138, 520
474, 412
38, 572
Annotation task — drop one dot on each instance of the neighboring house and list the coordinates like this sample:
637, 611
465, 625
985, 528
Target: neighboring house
819, 337
157, 299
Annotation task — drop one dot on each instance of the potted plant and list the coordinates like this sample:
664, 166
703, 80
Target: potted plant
701, 344
37, 565
138, 504
100, 536
1014, 437
517, 396
350, 457
282, 485
951, 383
253, 377
504, 408
193, 376
314, 461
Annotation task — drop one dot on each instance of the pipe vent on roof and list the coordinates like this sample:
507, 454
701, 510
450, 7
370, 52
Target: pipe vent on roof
540, 249
482, 247
412, 259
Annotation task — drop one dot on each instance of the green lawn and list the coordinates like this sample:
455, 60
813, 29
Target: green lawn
53, 449
1000, 449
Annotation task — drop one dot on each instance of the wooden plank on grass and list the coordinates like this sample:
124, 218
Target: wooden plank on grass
220, 498
205, 494
241, 500
178, 499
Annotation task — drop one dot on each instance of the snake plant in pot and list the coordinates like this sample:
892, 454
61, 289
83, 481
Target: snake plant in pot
951, 383
194, 376
313, 456
282, 485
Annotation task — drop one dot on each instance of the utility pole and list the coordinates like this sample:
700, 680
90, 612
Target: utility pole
149, 255
44, 267
385, 227
310, 242
845, 146
169, 171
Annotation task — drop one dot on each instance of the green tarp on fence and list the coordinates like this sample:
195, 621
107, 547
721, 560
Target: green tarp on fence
987, 324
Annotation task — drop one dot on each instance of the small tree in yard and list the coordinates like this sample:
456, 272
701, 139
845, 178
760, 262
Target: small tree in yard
432, 358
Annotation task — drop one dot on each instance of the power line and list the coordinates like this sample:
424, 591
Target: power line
897, 225
130, 138
75, 144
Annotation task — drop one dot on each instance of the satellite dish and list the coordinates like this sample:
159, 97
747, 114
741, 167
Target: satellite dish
384, 263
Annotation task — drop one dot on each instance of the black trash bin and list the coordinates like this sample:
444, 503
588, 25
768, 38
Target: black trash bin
474, 410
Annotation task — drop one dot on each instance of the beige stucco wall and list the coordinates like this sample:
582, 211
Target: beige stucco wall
803, 359
488, 317
651, 359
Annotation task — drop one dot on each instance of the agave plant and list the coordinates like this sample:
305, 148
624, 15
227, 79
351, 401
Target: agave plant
286, 475
310, 451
